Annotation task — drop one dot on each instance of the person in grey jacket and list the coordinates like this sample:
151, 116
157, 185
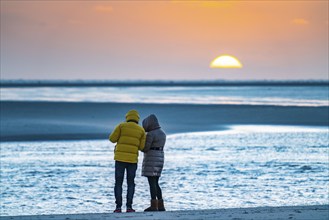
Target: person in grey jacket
153, 160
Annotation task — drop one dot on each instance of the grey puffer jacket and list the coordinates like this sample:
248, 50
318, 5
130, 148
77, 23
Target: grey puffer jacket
153, 151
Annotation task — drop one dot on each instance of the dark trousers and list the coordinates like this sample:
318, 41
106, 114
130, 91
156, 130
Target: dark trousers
120, 168
154, 187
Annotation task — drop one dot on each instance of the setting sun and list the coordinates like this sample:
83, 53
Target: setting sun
225, 61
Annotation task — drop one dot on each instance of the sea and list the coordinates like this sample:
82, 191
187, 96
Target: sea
242, 166
238, 93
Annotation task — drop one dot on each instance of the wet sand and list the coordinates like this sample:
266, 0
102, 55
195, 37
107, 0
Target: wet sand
31, 121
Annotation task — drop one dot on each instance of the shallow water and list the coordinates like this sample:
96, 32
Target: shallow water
245, 166
236, 95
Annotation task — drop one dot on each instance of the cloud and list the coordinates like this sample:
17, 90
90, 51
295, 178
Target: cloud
300, 21
103, 8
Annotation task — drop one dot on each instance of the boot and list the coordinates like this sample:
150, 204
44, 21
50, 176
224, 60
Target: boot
130, 209
161, 205
117, 210
153, 207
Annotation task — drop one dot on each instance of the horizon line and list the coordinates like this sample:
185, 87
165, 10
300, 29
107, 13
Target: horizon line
117, 83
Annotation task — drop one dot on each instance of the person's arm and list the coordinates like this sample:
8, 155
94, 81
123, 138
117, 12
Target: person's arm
114, 136
142, 143
148, 142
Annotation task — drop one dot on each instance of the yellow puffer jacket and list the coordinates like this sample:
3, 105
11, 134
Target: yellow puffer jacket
130, 137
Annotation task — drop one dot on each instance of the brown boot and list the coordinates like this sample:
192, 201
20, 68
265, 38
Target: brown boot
161, 205
153, 207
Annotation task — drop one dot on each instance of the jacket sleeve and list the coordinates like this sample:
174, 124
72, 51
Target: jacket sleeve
142, 143
114, 136
148, 142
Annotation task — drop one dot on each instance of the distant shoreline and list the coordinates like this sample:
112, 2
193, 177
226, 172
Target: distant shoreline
96, 83
29, 121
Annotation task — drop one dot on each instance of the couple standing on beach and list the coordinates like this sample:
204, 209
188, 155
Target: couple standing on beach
130, 138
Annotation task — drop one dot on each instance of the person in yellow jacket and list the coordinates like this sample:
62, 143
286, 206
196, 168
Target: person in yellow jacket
129, 138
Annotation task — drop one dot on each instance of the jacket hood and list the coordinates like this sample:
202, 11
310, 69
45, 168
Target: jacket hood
150, 123
132, 115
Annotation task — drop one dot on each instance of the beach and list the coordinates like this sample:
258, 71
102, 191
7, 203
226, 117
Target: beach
59, 133
32, 121
261, 213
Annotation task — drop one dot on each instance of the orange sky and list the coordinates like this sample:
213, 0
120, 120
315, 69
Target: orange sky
163, 39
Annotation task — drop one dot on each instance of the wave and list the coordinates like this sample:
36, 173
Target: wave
199, 95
